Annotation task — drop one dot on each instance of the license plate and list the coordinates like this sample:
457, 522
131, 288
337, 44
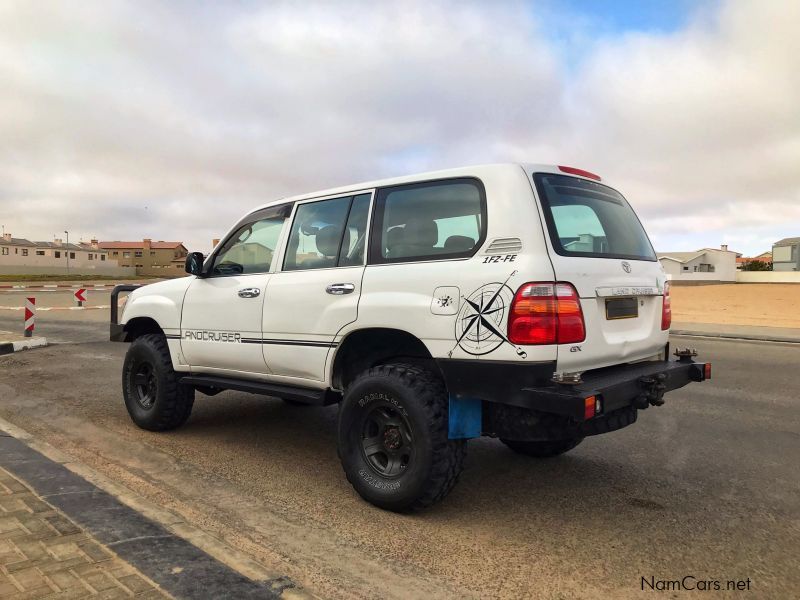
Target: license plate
622, 308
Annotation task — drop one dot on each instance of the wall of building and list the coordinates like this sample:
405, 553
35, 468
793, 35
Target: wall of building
724, 264
768, 277
149, 261
786, 258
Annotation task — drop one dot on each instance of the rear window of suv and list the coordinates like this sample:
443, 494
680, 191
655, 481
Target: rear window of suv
589, 219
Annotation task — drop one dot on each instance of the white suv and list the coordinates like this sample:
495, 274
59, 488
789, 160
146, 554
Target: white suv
522, 302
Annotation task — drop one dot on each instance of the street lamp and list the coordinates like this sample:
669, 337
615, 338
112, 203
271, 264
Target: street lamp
66, 252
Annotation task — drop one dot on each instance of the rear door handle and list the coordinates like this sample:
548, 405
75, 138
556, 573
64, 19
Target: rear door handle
249, 293
339, 289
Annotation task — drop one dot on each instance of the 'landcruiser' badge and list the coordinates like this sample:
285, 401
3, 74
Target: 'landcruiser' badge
626, 266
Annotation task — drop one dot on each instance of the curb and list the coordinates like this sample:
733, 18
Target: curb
34, 342
131, 507
735, 336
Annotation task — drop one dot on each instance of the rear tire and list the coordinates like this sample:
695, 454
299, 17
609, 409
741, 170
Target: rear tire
393, 438
155, 400
547, 449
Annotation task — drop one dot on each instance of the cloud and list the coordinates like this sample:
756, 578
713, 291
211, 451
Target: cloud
199, 112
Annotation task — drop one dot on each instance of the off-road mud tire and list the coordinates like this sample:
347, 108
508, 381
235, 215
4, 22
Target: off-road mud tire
168, 403
417, 398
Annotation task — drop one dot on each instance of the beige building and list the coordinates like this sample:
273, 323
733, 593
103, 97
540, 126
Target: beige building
22, 256
149, 258
706, 264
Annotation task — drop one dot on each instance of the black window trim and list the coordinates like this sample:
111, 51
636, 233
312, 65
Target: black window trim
279, 210
374, 254
352, 195
555, 241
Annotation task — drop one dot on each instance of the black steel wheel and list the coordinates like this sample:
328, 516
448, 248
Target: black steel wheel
386, 440
146, 385
393, 438
153, 394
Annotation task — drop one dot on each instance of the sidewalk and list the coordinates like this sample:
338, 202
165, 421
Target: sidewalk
44, 554
63, 537
741, 332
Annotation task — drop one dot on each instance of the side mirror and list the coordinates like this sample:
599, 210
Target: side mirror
194, 264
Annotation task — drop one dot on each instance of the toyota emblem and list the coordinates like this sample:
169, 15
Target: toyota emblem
626, 266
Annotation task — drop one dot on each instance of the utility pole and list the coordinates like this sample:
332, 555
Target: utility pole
67, 251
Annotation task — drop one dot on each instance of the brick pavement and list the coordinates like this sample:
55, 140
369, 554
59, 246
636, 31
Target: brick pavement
45, 555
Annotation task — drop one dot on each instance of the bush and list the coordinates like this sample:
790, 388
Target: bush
756, 265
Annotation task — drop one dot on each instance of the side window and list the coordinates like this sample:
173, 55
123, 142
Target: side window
429, 221
316, 238
250, 249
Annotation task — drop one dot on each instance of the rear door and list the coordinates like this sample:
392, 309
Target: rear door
597, 244
317, 290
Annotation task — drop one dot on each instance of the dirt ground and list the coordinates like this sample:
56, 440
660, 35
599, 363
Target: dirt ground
766, 305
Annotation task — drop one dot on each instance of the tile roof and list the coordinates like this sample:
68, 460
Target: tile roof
16, 242
57, 246
681, 257
115, 245
787, 241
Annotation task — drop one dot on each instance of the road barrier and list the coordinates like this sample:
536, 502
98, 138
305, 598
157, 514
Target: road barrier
30, 316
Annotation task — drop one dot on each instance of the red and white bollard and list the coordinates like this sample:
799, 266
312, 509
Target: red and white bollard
30, 316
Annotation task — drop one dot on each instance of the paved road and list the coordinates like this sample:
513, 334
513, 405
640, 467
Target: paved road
705, 486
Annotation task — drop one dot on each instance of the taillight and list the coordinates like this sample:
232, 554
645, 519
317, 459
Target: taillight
546, 313
666, 308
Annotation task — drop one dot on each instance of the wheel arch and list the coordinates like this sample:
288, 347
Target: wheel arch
139, 326
369, 347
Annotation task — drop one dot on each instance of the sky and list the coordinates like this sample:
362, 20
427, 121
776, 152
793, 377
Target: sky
170, 120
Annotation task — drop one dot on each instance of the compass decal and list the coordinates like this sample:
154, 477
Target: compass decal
479, 325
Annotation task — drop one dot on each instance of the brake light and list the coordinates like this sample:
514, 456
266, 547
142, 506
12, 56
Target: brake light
546, 313
666, 308
581, 172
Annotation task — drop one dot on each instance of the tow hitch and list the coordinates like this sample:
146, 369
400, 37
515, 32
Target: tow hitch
654, 386
653, 391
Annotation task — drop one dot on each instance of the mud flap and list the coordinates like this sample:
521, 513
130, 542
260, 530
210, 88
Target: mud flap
464, 418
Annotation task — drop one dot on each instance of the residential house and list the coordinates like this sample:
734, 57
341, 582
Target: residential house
18, 255
786, 255
706, 264
151, 259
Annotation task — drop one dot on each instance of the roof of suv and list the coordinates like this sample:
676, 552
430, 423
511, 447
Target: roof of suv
455, 172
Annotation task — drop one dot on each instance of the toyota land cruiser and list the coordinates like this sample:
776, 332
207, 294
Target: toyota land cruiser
522, 302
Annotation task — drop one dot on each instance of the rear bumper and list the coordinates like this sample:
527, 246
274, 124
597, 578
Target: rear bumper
529, 386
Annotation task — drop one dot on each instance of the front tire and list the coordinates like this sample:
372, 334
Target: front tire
155, 399
393, 438
546, 449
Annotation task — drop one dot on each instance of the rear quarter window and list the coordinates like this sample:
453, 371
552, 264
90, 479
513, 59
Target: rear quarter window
431, 220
